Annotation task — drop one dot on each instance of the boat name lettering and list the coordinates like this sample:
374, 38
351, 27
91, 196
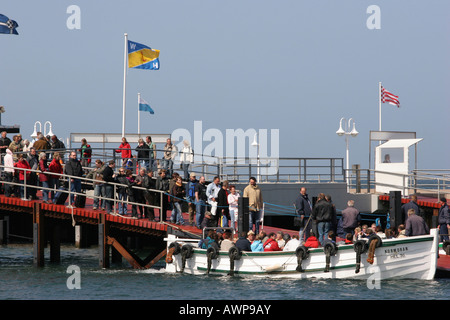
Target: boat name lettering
396, 250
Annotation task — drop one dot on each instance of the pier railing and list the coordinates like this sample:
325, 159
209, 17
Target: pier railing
237, 169
67, 179
434, 183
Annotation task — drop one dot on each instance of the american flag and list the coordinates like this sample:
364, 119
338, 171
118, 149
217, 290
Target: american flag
390, 98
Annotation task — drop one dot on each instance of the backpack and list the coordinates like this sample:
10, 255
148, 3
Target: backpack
191, 190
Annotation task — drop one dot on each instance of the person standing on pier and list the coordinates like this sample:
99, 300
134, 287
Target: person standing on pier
170, 152
73, 168
162, 184
304, 209
444, 219
109, 177
86, 153
255, 202
200, 201
4, 143
152, 153
190, 197
322, 214
125, 150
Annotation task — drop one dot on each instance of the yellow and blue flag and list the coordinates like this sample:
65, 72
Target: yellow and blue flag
7, 25
142, 57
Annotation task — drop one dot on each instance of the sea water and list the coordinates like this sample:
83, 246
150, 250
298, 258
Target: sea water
21, 280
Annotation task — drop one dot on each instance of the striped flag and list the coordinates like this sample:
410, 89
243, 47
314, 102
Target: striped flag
145, 106
388, 97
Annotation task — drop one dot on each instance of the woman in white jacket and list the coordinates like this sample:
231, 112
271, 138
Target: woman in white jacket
186, 158
9, 172
233, 197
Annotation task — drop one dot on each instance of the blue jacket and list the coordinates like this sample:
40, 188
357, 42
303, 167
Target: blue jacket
257, 246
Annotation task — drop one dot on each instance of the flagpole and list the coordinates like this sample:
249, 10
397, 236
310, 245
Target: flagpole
124, 83
379, 106
139, 114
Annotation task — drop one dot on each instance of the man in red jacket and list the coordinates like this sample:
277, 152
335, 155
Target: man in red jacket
312, 241
271, 244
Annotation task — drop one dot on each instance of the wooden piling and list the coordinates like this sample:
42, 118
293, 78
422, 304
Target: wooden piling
38, 235
103, 230
55, 243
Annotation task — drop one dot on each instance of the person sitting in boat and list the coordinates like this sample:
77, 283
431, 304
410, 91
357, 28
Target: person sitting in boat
292, 243
415, 225
331, 237
210, 241
280, 239
379, 232
401, 231
312, 241
257, 245
348, 238
251, 236
242, 243
226, 243
271, 244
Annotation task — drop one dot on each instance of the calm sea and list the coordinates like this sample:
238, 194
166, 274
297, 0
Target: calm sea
20, 280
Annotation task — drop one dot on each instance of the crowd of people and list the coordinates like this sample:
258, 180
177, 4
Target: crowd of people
323, 224
222, 240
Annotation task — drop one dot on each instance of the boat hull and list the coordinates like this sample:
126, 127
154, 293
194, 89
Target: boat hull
412, 258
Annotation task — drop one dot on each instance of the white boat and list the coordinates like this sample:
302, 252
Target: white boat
410, 258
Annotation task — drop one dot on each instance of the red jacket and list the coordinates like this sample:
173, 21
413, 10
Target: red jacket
44, 169
55, 166
24, 165
125, 148
312, 242
271, 245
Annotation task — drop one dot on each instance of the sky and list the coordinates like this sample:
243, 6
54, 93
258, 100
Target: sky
293, 65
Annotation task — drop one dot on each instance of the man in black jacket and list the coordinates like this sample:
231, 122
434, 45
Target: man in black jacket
303, 209
109, 176
322, 214
162, 183
74, 169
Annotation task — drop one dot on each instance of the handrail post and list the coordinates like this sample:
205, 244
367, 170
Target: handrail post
115, 201
25, 184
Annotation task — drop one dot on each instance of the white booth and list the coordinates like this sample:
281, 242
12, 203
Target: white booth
392, 165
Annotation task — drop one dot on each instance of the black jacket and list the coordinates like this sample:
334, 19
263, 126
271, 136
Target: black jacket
303, 205
73, 168
108, 174
323, 211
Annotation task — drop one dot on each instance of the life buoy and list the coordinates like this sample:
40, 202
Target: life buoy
372, 237
446, 247
235, 254
330, 249
211, 253
302, 253
186, 253
174, 249
360, 247
176, 246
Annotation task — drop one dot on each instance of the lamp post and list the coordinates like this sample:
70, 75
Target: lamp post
255, 143
347, 133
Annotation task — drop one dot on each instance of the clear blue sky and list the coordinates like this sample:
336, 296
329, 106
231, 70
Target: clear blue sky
297, 66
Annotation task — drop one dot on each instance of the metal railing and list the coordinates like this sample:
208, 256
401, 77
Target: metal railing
68, 179
431, 184
278, 170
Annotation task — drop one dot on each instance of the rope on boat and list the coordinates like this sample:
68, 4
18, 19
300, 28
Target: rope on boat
374, 242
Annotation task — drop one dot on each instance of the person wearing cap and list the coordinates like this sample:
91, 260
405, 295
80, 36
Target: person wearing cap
190, 197
444, 219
